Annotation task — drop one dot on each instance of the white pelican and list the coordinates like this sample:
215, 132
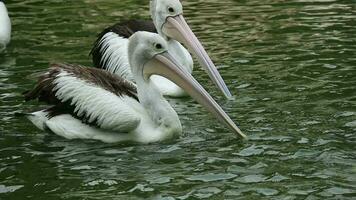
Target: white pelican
110, 49
91, 103
5, 27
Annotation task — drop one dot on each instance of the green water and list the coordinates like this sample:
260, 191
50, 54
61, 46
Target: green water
291, 65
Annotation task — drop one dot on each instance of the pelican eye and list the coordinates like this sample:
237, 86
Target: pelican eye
158, 46
170, 9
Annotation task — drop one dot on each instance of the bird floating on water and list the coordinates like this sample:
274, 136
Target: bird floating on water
91, 103
110, 49
5, 27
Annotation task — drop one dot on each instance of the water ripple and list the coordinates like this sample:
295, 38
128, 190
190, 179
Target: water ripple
290, 66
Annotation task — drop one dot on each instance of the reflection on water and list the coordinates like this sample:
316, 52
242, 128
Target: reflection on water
290, 64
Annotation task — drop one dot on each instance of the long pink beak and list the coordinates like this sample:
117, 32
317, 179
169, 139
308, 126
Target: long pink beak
165, 65
178, 29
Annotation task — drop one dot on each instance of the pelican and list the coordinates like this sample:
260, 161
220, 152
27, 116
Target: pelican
110, 49
5, 27
91, 103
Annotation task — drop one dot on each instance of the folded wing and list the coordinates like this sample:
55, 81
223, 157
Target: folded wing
94, 96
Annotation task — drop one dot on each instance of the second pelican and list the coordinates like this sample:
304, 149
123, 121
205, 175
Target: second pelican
110, 49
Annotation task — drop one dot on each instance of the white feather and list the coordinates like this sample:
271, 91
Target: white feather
69, 127
94, 102
5, 27
147, 130
115, 55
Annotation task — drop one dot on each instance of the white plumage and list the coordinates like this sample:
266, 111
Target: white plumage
115, 55
96, 103
5, 27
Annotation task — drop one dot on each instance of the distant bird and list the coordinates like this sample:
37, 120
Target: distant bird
5, 27
110, 49
90, 103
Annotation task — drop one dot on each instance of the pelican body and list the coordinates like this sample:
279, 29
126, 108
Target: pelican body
91, 103
110, 49
5, 27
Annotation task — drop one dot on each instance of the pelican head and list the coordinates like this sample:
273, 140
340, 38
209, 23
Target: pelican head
161, 10
168, 18
144, 46
149, 55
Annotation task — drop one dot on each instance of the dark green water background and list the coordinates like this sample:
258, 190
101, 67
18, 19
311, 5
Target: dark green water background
291, 65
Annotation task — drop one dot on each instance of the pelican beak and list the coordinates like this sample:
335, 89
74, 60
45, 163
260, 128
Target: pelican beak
165, 65
178, 29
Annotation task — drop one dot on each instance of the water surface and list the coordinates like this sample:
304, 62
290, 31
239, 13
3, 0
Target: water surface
290, 64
